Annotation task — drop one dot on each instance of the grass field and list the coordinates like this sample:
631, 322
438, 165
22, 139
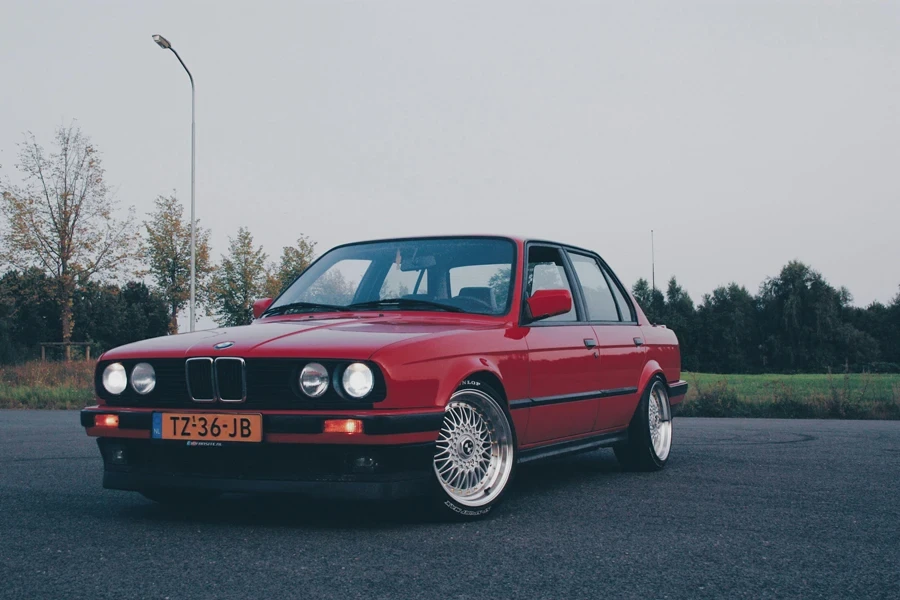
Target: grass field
58, 385
55, 385
835, 396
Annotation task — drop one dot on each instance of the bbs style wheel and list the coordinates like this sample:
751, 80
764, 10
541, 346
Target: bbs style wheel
650, 432
475, 453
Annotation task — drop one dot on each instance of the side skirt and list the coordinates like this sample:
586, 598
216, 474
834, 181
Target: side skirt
593, 442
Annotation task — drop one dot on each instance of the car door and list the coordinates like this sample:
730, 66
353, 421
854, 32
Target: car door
563, 365
619, 340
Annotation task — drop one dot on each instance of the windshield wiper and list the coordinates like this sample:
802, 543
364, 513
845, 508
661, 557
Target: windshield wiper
303, 306
404, 303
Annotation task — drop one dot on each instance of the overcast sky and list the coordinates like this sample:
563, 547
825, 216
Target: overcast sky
746, 134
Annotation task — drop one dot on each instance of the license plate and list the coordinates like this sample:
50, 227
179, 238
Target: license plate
221, 427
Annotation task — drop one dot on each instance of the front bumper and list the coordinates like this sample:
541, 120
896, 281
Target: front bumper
370, 472
392, 458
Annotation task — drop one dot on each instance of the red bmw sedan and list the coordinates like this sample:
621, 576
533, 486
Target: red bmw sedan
427, 366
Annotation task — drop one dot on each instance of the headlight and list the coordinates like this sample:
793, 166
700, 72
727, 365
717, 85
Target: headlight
358, 380
114, 379
314, 380
143, 378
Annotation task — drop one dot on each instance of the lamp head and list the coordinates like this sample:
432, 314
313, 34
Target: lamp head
162, 42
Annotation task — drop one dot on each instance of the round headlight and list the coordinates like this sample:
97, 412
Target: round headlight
314, 380
143, 378
358, 380
114, 379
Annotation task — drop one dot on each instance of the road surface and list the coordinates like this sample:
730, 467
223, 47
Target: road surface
745, 509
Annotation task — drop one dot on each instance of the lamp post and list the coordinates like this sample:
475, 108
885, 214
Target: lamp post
165, 45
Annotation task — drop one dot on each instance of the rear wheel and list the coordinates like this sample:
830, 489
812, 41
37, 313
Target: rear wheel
179, 498
650, 432
475, 453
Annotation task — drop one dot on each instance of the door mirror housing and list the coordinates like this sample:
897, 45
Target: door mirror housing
548, 303
260, 306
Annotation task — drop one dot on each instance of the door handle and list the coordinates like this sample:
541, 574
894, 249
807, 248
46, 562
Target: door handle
638, 341
590, 343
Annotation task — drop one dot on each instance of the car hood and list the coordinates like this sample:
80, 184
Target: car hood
349, 338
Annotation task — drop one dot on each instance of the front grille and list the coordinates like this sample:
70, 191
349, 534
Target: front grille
200, 379
230, 383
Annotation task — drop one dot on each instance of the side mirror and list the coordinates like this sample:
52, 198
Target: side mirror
548, 303
260, 306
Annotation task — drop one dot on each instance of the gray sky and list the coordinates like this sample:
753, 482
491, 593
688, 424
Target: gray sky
746, 134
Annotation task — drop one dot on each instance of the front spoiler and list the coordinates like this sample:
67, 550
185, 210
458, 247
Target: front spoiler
332, 471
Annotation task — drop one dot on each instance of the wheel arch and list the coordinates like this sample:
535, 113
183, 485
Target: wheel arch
651, 370
489, 378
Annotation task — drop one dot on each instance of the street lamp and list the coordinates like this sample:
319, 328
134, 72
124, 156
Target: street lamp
165, 45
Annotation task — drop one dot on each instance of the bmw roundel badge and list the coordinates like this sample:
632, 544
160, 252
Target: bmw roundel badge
223, 345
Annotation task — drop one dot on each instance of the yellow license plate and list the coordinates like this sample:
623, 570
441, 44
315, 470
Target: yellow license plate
220, 427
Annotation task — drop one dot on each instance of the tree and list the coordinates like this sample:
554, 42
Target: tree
803, 323
28, 314
680, 316
62, 218
294, 260
109, 315
727, 332
238, 281
168, 249
651, 301
499, 283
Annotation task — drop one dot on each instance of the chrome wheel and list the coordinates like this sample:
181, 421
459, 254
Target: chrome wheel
474, 450
660, 420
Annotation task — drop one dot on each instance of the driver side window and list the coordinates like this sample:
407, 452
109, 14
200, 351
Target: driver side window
546, 271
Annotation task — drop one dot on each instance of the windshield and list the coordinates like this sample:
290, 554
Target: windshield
455, 274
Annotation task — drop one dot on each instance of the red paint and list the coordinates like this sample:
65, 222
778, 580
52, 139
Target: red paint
549, 303
260, 306
424, 357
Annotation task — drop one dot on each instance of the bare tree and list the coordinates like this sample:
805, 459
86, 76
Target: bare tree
62, 218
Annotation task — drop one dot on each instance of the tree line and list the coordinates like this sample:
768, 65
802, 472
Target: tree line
796, 323
77, 271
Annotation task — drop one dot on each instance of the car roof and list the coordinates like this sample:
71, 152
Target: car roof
520, 239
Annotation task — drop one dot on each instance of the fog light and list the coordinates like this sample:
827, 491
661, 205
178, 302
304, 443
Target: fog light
106, 421
117, 456
343, 426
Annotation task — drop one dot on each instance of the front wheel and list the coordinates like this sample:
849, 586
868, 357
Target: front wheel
475, 453
650, 431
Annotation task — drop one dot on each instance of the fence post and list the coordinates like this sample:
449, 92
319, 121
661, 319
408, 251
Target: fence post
43, 353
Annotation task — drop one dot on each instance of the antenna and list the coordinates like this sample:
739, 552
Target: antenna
653, 259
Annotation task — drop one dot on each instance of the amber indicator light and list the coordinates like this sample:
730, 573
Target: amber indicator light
343, 426
106, 420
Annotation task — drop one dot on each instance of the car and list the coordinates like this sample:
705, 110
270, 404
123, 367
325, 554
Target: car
428, 367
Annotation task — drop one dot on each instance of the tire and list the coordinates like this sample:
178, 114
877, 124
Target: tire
475, 453
179, 498
650, 431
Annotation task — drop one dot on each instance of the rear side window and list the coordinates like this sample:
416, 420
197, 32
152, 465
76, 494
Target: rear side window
598, 298
622, 301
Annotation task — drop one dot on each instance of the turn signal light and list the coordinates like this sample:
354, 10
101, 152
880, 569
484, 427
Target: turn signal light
106, 420
343, 426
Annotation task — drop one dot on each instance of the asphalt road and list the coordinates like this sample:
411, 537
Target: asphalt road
745, 509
